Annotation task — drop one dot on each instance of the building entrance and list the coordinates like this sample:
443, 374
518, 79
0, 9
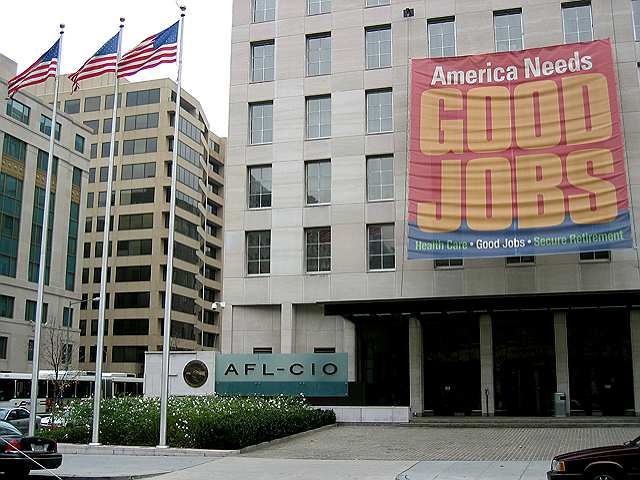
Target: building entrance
600, 368
524, 362
451, 345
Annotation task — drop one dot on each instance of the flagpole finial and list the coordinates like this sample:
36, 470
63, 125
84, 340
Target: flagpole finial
121, 19
182, 9
62, 28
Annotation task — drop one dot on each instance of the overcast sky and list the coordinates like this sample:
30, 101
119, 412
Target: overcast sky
33, 28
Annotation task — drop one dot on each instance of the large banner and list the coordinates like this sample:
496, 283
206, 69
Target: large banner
517, 153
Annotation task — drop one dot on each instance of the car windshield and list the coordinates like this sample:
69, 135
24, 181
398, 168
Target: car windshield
8, 429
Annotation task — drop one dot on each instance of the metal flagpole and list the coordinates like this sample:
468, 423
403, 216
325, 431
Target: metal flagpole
164, 390
35, 369
97, 392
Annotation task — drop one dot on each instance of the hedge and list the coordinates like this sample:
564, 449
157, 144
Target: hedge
211, 422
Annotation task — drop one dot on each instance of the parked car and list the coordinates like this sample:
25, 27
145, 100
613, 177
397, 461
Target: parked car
48, 422
19, 418
19, 454
603, 463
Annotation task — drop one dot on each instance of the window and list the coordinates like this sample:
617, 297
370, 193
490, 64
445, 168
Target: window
108, 101
189, 129
180, 303
95, 302
102, 199
10, 212
319, 54
378, 47
90, 199
324, 349
37, 221
137, 196
216, 147
317, 7
447, 263
104, 173
94, 327
79, 144
143, 97
182, 251
88, 225
260, 186
597, 256
382, 252
258, 252
45, 126
264, 10
6, 306
380, 178
106, 149
318, 249
263, 350
97, 275
43, 162
576, 21
138, 170
92, 354
131, 326
318, 182
92, 125
319, 117
442, 37
92, 104
3, 347
140, 145
520, 260
92, 175
635, 4
182, 277
81, 353
184, 227
131, 300
14, 147
262, 61
187, 178
508, 30
97, 249
140, 273
86, 250
376, 3
379, 111
85, 276
30, 311
132, 354
18, 111
188, 153
261, 122
135, 221
184, 202
93, 150
83, 304
100, 223
106, 125
72, 106
67, 317
72, 246
140, 122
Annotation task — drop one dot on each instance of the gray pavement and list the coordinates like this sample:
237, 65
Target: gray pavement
535, 470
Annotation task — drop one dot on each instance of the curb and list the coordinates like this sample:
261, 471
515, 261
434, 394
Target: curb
491, 425
277, 441
44, 476
71, 449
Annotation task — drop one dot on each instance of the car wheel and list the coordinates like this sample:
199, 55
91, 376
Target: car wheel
604, 476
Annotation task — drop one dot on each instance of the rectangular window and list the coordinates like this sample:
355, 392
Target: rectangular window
6, 306
95, 302
140, 122
597, 256
189, 154
136, 196
128, 248
30, 311
131, 326
136, 221
379, 111
324, 349
88, 225
182, 277
317, 7
318, 117
106, 125
102, 198
264, 10
189, 129
184, 201
318, 182
382, 251
72, 106
92, 125
131, 300
141, 273
442, 37
261, 122
138, 170
93, 150
90, 196
45, 126
3, 347
79, 143
104, 173
143, 97
262, 350
187, 178
72, 246
184, 227
82, 353
131, 354
576, 22
10, 212
262, 61
86, 250
43, 162
97, 249
92, 104
520, 260
508, 30
319, 54
318, 249
67, 317
260, 186
106, 149
378, 47
140, 146
85, 275
37, 221
18, 111
635, 4
380, 178
92, 354
447, 263
258, 252
97, 275
108, 101
182, 251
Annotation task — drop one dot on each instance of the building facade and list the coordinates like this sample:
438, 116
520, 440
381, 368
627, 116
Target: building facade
315, 243
139, 220
25, 126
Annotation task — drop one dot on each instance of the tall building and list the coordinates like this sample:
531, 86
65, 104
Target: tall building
139, 220
25, 126
315, 224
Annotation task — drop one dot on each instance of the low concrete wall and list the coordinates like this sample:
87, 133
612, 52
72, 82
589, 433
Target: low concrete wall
356, 414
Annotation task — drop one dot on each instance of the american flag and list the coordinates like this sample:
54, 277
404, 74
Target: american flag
103, 61
42, 69
151, 52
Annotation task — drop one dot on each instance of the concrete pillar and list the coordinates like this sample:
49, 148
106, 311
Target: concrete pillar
287, 329
562, 355
349, 346
486, 365
416, 368
634, 320
226, 332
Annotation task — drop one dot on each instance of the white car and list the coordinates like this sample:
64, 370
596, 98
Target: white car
48, 422
19, 418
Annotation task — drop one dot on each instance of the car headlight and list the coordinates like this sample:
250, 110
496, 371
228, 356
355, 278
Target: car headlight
557, 466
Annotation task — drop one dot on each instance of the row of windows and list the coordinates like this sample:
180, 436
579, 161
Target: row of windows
129, 172
133, 196
125, 248
136, 146
135, 221
265, 10
7, 306
119, 354
131, 273
94, 104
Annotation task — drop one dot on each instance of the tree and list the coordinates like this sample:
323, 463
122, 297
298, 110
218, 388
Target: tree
56, 351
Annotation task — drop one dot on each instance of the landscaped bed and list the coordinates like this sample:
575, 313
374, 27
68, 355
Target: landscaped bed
211, 422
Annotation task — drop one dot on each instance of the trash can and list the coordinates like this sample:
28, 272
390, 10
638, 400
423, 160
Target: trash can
559, 404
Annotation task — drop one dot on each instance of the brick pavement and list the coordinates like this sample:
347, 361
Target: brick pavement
457, 444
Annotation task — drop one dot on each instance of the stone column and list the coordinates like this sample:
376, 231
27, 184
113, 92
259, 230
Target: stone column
287, 329
416, 368
634, 320
562, 355
486, 365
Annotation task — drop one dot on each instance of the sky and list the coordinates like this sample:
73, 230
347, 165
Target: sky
90, 23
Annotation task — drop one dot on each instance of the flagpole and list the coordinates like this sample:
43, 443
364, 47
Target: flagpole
35, 369
97, 391
164, 390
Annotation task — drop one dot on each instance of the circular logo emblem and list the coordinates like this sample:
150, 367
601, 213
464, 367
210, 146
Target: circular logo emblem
195, 373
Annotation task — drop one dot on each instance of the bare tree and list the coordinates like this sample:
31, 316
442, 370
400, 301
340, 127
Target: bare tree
57, 349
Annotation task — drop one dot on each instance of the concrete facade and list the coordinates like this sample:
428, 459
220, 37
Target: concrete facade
267, 309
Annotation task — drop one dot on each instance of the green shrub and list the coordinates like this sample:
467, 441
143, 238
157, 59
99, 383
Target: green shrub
212, 422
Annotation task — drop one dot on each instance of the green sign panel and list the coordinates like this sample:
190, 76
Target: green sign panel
310, 374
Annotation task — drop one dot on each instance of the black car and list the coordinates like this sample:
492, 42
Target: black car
603, 463
20, 454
